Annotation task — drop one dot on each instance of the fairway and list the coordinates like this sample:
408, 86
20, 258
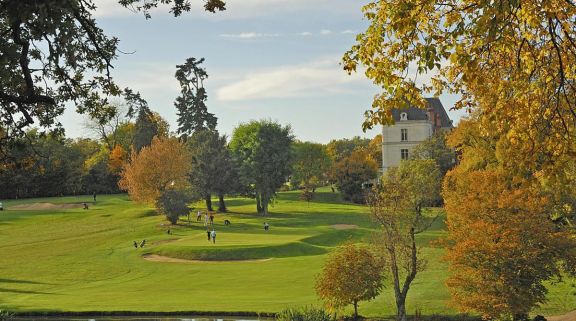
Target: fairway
72, 259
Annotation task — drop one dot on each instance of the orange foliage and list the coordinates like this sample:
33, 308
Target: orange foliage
503, 245
162, 165
116, 159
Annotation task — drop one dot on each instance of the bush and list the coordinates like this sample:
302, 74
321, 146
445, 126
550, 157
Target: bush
308, 313
173, 204
6, 315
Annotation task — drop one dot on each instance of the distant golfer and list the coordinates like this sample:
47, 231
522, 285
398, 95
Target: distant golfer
206, 219
212, 218
214, 236
198, 216
94, 195
208, 234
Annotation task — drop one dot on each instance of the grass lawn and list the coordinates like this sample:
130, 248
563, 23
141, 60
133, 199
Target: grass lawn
84, 260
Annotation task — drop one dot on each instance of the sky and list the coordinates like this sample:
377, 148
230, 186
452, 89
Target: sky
266, 59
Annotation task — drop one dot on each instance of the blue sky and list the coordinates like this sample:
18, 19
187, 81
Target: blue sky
274, 59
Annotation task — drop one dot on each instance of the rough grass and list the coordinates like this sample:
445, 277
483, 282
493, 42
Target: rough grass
78, 260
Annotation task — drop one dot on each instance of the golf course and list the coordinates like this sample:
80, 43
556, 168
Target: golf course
56, 256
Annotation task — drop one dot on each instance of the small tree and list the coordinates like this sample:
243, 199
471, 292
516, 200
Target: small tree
352, 172
351, 274
174, 203
399, 207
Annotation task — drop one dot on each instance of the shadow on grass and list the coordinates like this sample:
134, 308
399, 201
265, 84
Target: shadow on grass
22, 291
20, 281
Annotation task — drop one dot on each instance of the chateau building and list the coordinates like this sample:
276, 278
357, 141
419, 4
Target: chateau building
412, 126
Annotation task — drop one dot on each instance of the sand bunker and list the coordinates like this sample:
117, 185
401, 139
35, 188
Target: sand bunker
570, 316
166, 259
45, 206
344, 226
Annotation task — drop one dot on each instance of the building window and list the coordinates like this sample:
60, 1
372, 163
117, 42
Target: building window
403, 116
404, 153
404, 134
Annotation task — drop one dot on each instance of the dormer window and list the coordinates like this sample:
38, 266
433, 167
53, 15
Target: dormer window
403, 116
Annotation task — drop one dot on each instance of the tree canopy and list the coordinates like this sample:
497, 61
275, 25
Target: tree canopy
53, 52
264, 154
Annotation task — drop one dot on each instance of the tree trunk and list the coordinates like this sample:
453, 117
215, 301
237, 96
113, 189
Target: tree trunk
221, 204
208, 199
258, 204
401, 314
265, 201
355, 309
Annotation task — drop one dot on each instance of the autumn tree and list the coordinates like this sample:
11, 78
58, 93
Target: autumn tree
310, 166
192, 112
264, 155
53, 53
503, 246
118, 156
508, 60
164, 164
352, 172
399, 206
509, 229
352, 273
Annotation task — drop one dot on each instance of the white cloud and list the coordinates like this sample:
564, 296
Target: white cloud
320, 77
325, 32
305, 34
348, 32
250, 35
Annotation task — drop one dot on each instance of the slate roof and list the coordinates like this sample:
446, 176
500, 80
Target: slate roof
415, 113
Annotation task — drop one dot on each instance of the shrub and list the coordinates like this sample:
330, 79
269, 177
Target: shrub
308, 313
173, 204
6, 315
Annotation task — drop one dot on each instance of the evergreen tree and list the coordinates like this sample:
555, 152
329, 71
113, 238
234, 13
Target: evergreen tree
192, 112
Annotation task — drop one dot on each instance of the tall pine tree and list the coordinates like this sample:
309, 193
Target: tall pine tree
192, 112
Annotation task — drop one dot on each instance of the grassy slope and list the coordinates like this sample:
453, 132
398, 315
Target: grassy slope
76, 260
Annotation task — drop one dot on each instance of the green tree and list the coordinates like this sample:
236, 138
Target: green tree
311, 165
352, 172
148, 125
264, 154
192, 112
399, 207
352, 273
435, 148
341, 148
53, 52
212, 168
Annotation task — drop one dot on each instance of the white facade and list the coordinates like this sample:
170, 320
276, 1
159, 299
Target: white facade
394, 141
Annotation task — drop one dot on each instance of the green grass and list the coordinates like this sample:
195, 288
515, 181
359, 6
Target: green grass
77, 260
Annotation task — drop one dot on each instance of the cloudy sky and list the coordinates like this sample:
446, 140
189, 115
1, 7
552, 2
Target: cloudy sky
273, 59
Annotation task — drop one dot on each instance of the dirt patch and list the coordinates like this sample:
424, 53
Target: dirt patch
570, 316
166, 259
344, 226
45, 206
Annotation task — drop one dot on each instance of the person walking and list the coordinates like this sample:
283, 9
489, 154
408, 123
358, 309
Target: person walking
212, 219
198, 216
208, 234
94, 196
214, 236
206, 219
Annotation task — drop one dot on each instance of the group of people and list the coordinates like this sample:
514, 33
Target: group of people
141, 243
